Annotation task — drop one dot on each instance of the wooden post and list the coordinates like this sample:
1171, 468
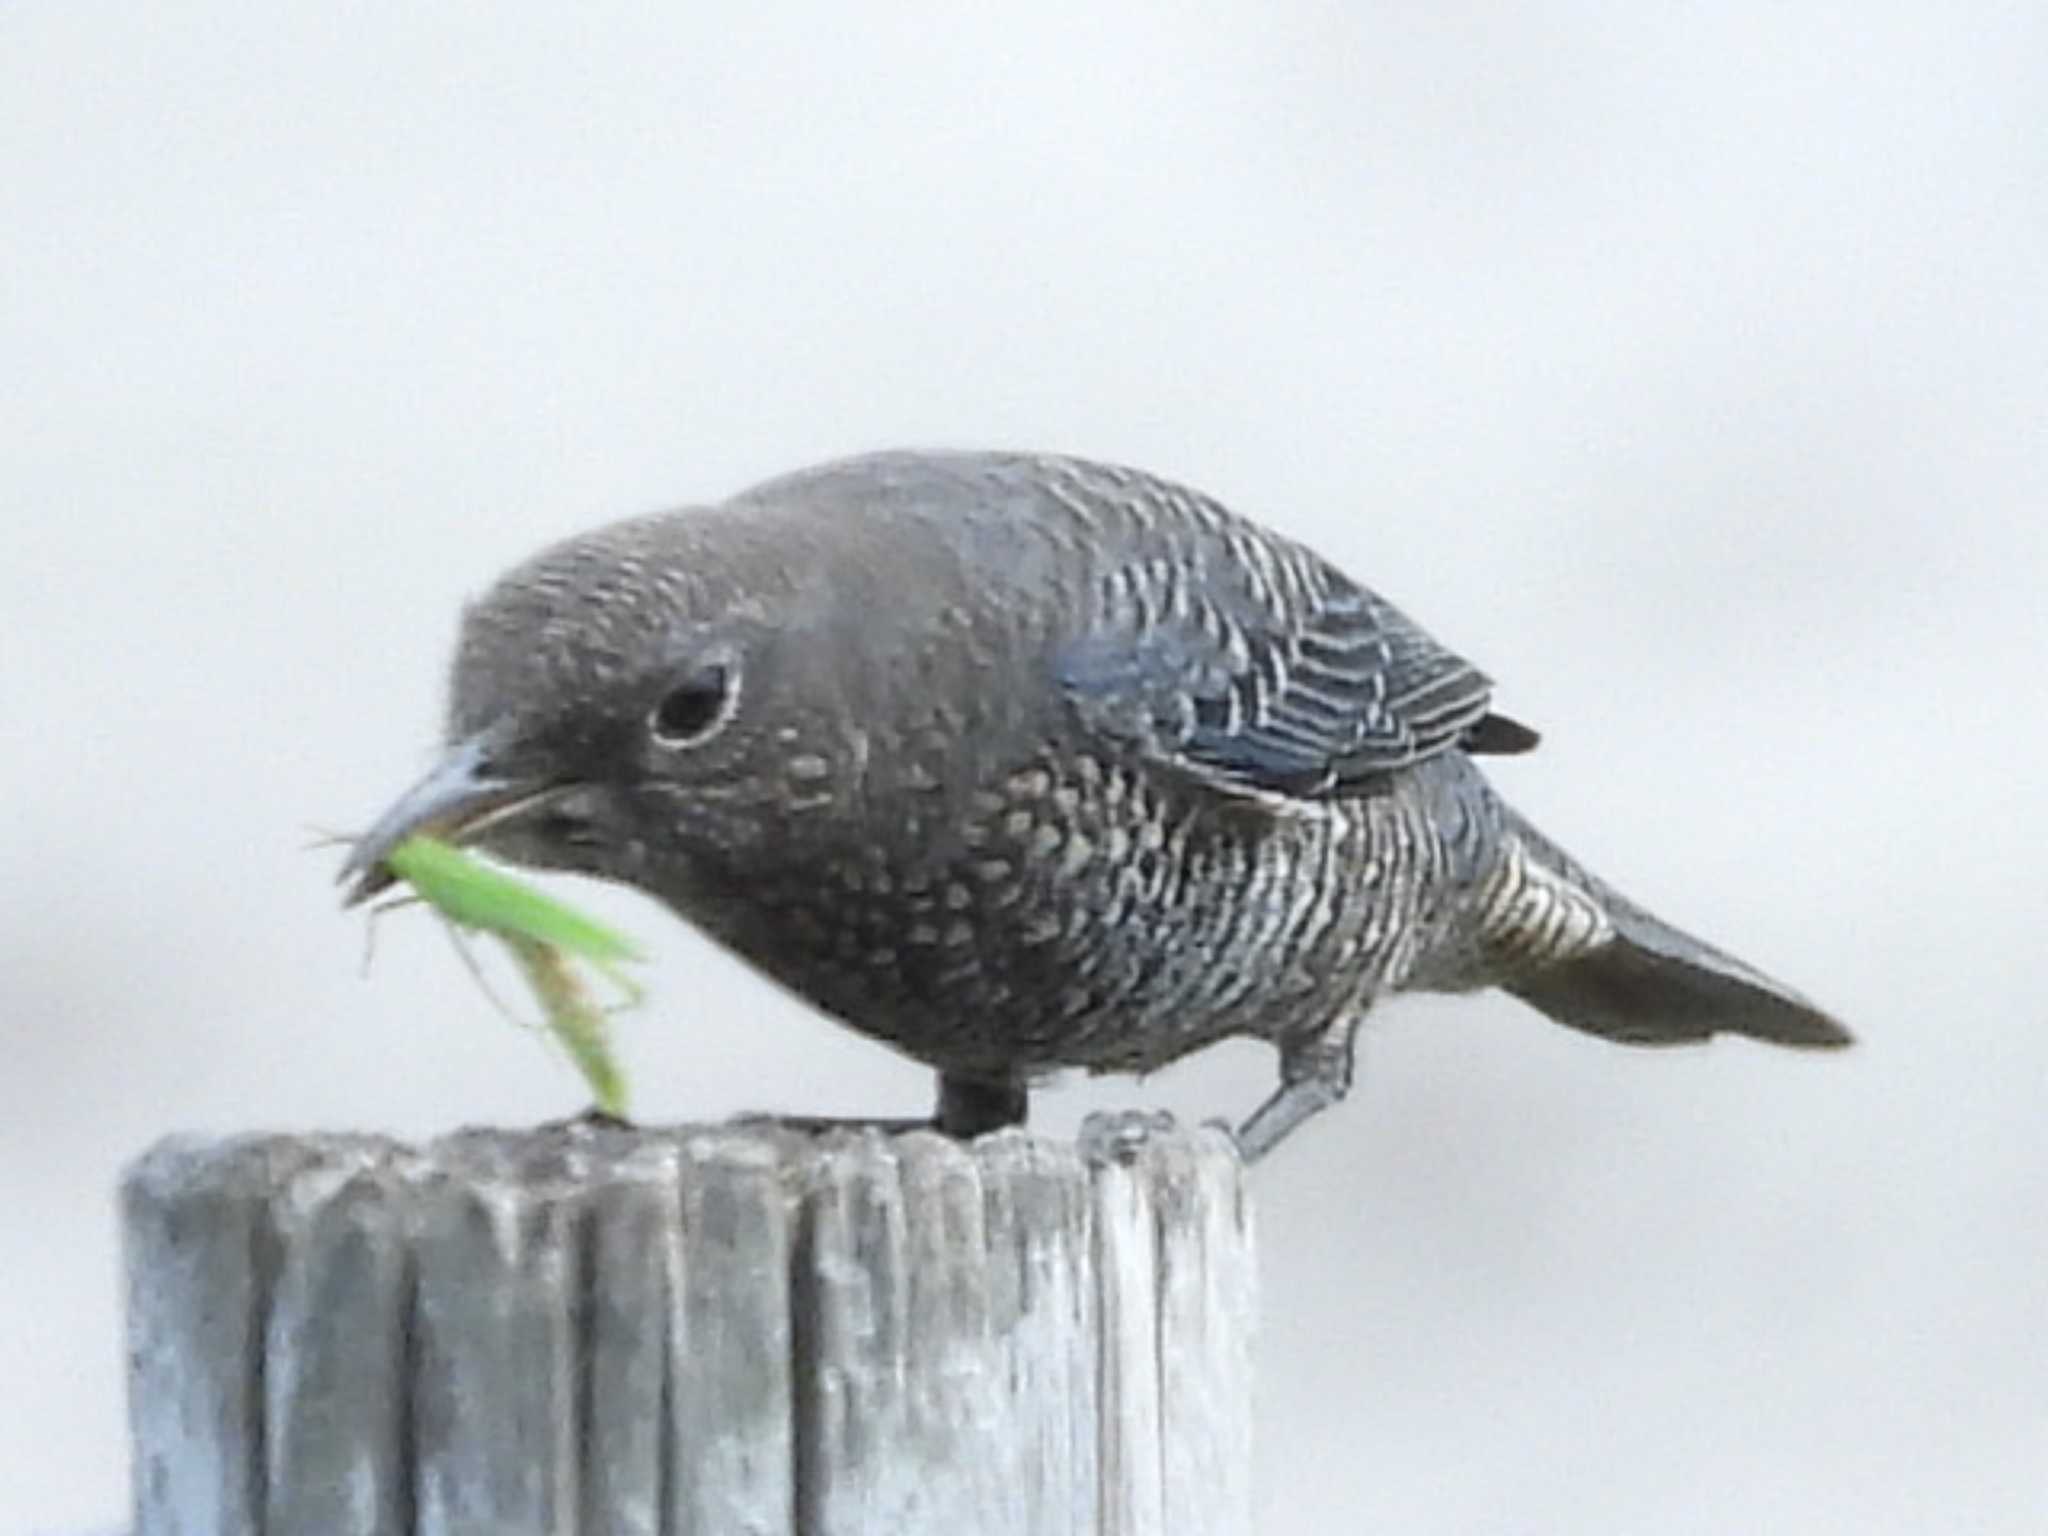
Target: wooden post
698, 1332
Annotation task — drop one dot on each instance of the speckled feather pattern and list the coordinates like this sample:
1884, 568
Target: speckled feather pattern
1041, 802
1035, 763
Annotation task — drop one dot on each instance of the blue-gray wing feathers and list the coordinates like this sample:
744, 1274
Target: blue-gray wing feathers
1310, 686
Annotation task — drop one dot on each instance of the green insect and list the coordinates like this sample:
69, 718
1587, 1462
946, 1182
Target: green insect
575, 1018
545, 938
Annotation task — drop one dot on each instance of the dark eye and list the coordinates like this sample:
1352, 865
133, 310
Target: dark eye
693, 708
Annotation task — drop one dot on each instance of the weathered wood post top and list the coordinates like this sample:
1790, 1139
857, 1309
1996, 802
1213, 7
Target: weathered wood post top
696, 1331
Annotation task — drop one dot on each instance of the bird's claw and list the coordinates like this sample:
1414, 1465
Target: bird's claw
1229, 1132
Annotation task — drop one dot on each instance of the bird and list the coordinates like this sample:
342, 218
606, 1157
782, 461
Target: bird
1022, 763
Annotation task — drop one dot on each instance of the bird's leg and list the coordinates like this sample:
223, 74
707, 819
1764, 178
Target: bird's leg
1315, 1072
968, 1106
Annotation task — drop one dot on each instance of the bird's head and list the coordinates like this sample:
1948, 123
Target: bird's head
614, 709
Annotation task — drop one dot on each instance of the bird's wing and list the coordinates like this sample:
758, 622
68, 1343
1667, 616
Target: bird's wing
1273, 675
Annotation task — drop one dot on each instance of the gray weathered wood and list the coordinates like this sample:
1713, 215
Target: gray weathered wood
590, 1329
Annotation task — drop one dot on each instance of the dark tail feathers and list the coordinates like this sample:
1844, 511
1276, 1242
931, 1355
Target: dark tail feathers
1653, 985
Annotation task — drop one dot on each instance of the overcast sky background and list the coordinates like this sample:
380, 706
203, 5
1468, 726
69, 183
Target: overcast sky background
1686, 366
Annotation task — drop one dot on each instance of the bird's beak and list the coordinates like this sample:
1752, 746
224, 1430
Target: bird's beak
463, 796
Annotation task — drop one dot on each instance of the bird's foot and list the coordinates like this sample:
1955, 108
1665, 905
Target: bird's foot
1117, 1136
972, 1106
1231, 1133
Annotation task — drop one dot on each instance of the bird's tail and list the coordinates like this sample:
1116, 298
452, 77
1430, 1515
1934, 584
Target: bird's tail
1580, 952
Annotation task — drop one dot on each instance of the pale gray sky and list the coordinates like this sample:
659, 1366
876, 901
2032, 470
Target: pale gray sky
1686, 366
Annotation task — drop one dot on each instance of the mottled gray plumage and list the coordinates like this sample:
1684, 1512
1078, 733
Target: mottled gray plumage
1021, 763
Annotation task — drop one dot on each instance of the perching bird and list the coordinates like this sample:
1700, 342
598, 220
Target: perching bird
1022, 763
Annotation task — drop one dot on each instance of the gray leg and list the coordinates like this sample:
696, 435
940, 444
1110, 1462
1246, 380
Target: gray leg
1315, 1072
969, 1106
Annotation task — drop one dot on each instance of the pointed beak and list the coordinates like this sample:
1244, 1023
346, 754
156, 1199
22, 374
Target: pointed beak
462, 797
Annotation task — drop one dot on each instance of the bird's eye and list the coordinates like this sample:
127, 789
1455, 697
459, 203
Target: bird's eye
694, 708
